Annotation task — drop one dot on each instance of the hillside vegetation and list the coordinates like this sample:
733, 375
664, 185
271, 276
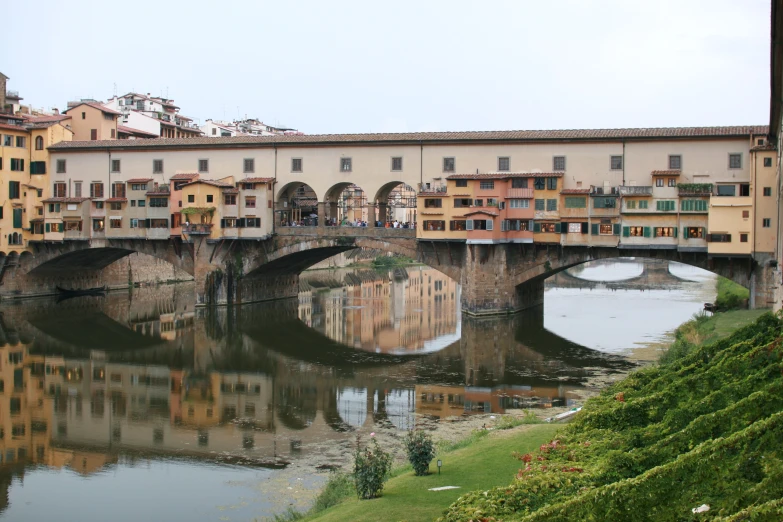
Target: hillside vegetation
702, 431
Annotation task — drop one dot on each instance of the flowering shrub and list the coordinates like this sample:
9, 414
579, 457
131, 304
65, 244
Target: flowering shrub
421, 451
370, 469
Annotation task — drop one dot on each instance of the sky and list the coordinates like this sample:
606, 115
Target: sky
401, 66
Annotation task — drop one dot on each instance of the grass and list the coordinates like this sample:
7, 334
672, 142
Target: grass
484, 461
730, 295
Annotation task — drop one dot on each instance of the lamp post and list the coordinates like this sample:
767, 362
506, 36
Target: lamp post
440, 463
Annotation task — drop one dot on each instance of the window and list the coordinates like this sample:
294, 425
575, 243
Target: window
8, 140
296, 164
118, 190
549, 228
539, 204
229, 199
743, 238
693, 205
115, 205
13, 190
253, 222
693, 232
39, 143
448, 164
675, 162
77, 189
744, 189
604, 202
487, 185
519, 183
605, 229
21, 142
134, 223
630, 204
551, 204
115, 165
767, 162
634, 232
457, 224
575, 202
396, 163
479, 224
574, 228
17, 165
478, 203
616, 163
433, 226
159, 202
558, 163
726, 190
735, 161
138, 186
658, 182
766, 222
463, 202
115, 223
157, 166
60, 168
203, 165
214, 131
59, 190
54, 208
672, 182
461, 183
250, 202
191, 198
345, 165
249, 165
518, 225
142, 203
113, 133
539, 184
504, 163
664, 232
664, 206
767, 191
719, 238
433, 203
518, 203
93, 134
551, 183
210, 198
96, 190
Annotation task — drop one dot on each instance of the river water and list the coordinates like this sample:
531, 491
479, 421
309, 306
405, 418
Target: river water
137, 406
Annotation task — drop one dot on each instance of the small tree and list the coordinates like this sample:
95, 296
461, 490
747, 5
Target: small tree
421, 451
370, 469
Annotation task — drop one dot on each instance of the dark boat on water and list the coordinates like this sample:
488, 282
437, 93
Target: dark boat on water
66, 292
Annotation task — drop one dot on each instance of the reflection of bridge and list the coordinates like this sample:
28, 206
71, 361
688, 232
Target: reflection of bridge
655, 275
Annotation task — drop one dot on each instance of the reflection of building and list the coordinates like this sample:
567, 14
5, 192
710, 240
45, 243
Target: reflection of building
406, 312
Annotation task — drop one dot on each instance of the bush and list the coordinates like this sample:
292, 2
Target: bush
370, 469
338, 487
421, 451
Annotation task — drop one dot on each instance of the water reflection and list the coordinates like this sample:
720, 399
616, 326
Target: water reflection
93, 383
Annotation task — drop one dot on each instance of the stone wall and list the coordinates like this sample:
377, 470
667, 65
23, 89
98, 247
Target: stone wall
141, 268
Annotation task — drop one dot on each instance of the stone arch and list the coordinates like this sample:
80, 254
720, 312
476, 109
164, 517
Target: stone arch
396, 200
345, 201
295, 201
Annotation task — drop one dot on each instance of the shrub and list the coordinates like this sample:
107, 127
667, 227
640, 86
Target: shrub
370, 469
421, 451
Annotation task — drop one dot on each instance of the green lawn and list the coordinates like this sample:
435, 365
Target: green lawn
482, 465
724, 323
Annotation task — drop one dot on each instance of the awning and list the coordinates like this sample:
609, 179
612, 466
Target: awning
72, 218
116, 218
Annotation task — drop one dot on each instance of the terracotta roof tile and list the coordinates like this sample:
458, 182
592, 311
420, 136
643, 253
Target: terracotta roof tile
256, 180
130, 130
666, 172
575, 191
47, 119
76, 200
480, 212
415, 137
53, 200
96, 106
185, 175
766, 146
506, 175
12, 127
139, 180
159, 193
213, 182
64, 200
436, 194
116, 200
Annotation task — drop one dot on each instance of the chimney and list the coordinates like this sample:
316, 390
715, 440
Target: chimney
56, 111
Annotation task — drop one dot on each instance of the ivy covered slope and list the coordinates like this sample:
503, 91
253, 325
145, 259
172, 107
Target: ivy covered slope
703, 429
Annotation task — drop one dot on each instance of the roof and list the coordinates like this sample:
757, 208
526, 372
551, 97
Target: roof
158, 193
419, 137
139, 180
575, 191
672, 172
231, 191
506, 175
213, 182
64, 200
766, 146
435, 194
480, 212
12, 127
185, 175
98, 106
116, 200
52, 118
256, 180
130, 130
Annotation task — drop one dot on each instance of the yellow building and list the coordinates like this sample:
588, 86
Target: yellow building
93, 121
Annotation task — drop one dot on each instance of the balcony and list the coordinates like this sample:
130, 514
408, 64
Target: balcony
695, 189
519, 193
636, 191
158, 233
197, 229
604, 191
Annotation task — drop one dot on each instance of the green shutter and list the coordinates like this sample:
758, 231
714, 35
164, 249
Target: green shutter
537, 227
675, 231
46, 227
616, 229
658, 205
671, 206
646, 231
626, 231
594, 229
685, 232
558, 228
17, 218
643, 204
60, 227
584, 227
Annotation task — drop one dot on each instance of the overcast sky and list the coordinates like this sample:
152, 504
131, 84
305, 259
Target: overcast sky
388, 66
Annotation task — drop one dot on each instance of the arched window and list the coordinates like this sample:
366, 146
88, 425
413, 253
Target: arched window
39, 143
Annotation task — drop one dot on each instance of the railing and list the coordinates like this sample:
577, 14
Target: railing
636, 191
695, 189
519, 193
197, 228
604, 191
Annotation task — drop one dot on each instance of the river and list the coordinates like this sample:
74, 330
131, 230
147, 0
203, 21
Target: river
138, 406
